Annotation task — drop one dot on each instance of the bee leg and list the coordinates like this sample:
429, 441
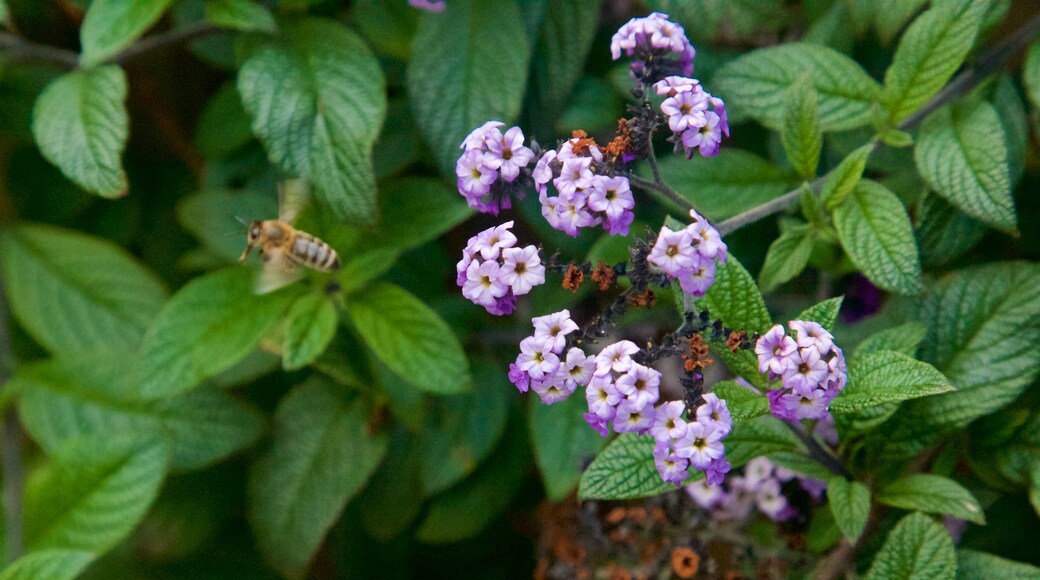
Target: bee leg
245, 254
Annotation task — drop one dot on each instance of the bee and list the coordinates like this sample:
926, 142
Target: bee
282, 246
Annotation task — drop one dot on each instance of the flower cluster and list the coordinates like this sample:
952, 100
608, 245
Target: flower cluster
586, 198
810, 366
429, 5
491, 161
541, 365
689, 254
760, 487
686, 107
680, 444
621, 392
655, 38
493, 272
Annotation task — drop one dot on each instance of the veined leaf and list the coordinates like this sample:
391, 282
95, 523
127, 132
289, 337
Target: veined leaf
73, 292
933, 494
224, 127
850, 504
883, 377
1012, 112
962, 154
81, 125
111, 25
891, 15
1031, 74
94, 493
456, 83
843, 179
624, 470
800, 134
209, 325
321, 455
743, 403
415, 211
757, 81
902, 339
562, 442
929, 53
48, 565
875, 231
389, 504
410, 338
317, 98
823, 313
786, 258
91, 393
309, 326
917, 547
972, 565
944, 233
240, 15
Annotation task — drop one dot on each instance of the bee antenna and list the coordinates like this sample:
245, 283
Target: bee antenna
242, 221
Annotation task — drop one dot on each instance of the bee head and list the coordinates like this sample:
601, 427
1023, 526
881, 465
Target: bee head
252, 237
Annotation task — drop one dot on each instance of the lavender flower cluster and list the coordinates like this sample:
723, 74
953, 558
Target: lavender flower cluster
654, 36
694, 126
541, 366
493, 272
585, 198
622, 392
810, 366
490, 162
689, 254
680, 444
760, 487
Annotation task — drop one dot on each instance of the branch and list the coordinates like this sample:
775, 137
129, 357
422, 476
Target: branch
817, 452
661, 188
163, 40
18, 48
11, 459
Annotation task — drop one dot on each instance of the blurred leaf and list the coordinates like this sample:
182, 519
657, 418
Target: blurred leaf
111, 25
415, 211
714, 19
321, 456
786, 258
212, 216
944, 233
917, 547
756, 83
73, 292
457, 82
462, 429
410, 338
823, 531
20, 86
932, 494
48, 565
801, 464
364, 266
562, 442
209, 325
387, 26
94, 492
962, 154
224, 125
1012, 113
850, 504
800, 131
240, 15
317, 98
394, 497
399, 145
81, 125
624, 470
972, 565
875, 231
882, 377
931, 50
1031, 74
466, 509
743, 403
309, 326
823, 313
727, 184
592, 106
91, 393
843, 179
891, 15
902, 339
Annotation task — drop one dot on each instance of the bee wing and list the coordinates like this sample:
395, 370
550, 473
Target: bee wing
278, 272
293, 195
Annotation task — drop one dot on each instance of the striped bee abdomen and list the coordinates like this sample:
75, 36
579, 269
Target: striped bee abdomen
314, 253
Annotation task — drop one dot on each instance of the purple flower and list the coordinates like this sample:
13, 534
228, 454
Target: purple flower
709, 242
600, 425
474, 177
429, 5
553, 390
716, 471
673, 252
673, 85
503, 305
714, 413
536, 357
555, 327
492, 273
773, 349
478, 138
522, 269
704, 494
487, 156
633, 418
521, 379
616, 357
602, 397
701, 444
697, 280
640, 385
612, 196
686, 109
654, 39
769, 499
482, 285
804, 370
706, 138
578, 368
671, 467
508, 154
492, 241
668, 422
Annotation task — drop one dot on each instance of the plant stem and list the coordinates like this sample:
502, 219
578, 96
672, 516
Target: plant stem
662, 189
817, 452
163, 40
11, 437
18, 48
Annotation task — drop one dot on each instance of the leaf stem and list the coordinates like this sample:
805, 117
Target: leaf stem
18, 48
825, 458
662, 189
11, 454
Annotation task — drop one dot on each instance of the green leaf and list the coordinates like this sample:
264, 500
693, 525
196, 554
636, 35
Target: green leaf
944, 233
1031, 74
757, 82
309, 327
972, 565
462, 429
932, 494
962, 154
891, 15
823, 313
48, 565
1012, 112
902, 339
390, 503
563, 443
801, 463
843, 179
466, 509
213, 213
875, 231
81, 125
209, 325
727, 184
983, 330
850, 504
321, 455
624, 470
91, 393
823, 530
882, 377
94, 493
240, 15
743, 403
365, 266
917, 547
410, 338
1034, 486
931, 50
786, 258
800, 133
415, 211
73, 292
456, 83
111, 25
224, 125
317, 98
